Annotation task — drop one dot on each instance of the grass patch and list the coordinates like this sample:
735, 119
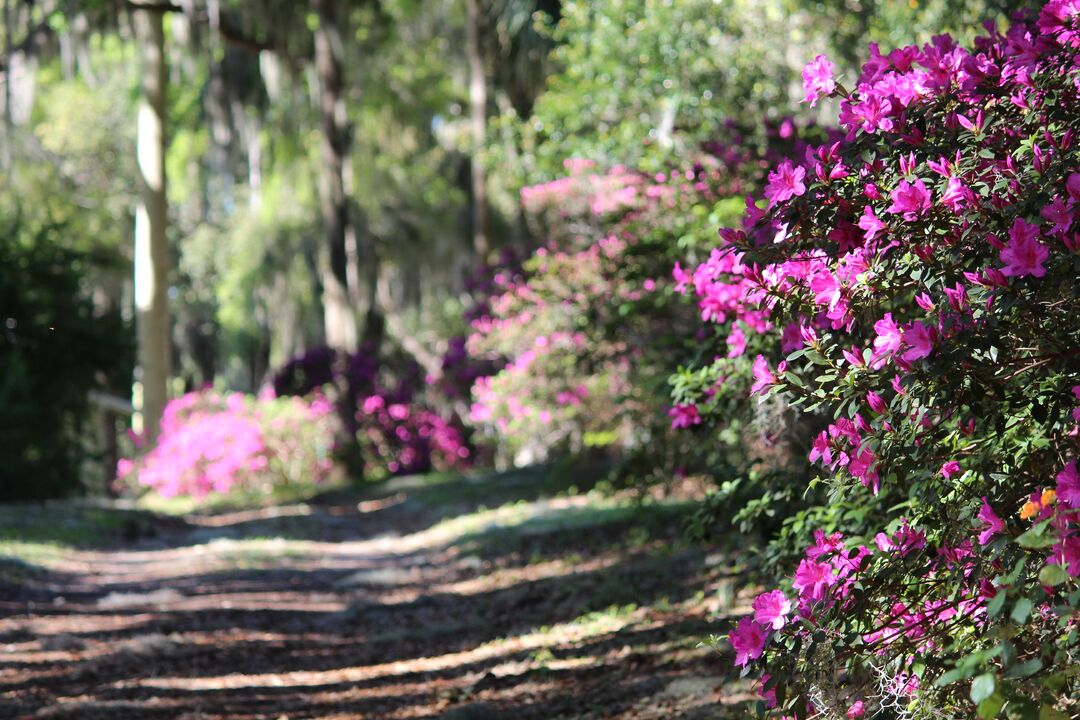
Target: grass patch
543, 530
240, 499
255, 553
20, 562
67, 524
35, 536
450, 492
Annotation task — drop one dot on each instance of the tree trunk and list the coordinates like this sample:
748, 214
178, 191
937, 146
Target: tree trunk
340, 313
151, 249
6, 158
478, 125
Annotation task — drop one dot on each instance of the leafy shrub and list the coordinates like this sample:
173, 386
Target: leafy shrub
214, 443
54, 349
914, 286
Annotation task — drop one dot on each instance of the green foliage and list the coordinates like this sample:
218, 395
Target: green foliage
54, 349
642, 81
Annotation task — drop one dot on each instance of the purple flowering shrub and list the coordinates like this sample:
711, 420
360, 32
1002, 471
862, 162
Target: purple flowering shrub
914, 286
215, 443
391, 421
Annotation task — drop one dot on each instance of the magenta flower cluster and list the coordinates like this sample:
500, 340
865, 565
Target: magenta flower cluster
214, 443
912, 288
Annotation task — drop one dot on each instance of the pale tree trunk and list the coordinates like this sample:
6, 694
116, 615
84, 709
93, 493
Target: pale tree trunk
340, 312
478, 125
6, 159
254, 159
151, 249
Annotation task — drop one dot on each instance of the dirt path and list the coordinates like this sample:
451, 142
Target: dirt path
410, 605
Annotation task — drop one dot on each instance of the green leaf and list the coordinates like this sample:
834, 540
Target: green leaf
952, 676
1021, 610
1012, 577
1053, 575
982, 687
991, 706
1036, 538
1025, 669
993, 608
1047, 712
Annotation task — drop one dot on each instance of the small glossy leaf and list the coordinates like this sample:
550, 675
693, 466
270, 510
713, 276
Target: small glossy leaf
990, 707
1025, 669
1021, 610
1053, 575
983, 687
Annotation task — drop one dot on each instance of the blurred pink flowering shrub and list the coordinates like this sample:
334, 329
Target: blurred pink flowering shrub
575, 328
913, 287
214, 443
544, 398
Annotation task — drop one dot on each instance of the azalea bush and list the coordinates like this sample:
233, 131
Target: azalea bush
543, 398
586, 327
390, 422
213, 443
911, 289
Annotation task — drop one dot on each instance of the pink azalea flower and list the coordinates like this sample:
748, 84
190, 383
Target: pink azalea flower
826, 289
684, 415
876, 403
857, 710
763, 376
905, 540
736, 342
682, 279
949, 469
956, 196
825, 544
1056, 19
748, 640
818, 79
792, 338
771, 609
822, 448
1024, 255
1068, 486
769, 696
910, 199
917, 338
785, 183
957, 297
871, 113
888, 339
1060, 214
870, 223
994, 524
812, 579
1067, 554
